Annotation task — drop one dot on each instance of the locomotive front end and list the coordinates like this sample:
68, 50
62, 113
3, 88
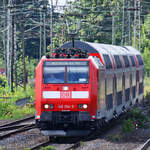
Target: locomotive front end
63, 97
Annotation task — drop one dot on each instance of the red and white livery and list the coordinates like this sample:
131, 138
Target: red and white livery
77, 94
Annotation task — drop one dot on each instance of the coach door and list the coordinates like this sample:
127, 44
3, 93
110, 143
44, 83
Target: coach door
114, 89
137, 83
101, 93
109, 82
131, 94
118, 80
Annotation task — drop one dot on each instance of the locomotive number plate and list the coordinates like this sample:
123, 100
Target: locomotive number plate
65, 94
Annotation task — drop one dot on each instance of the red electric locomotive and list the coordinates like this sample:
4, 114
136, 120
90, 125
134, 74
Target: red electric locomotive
80, 88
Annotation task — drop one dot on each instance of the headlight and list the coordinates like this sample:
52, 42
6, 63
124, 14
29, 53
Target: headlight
46, 106
85, 106
65, 88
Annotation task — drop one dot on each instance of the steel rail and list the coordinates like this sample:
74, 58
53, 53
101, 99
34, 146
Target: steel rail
40, 145
12, 127
25, 128
74, 146
146, 145
17, 121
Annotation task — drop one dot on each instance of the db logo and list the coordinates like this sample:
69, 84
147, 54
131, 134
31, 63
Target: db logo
65, 94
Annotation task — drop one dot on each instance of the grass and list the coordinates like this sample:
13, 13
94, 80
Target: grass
116, 137
17, 94
44, 148
8, 108
146, 86
11, 111
48, 148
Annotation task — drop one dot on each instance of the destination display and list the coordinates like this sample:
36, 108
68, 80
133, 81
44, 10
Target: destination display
65, 63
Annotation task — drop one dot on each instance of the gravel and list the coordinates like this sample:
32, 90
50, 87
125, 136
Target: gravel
23, 140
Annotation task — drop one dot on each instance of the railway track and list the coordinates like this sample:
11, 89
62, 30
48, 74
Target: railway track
74, 146
94, 135
17, 121
22, 129
16, 127
7, 128
146, 145
74, 143
56, 145
38, 146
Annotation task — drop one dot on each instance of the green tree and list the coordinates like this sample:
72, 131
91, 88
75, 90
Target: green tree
145, 42
96, 19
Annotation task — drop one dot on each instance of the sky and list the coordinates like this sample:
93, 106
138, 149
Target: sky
60, 2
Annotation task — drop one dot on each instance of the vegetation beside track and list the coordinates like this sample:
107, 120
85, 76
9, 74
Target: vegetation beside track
147, 88
48, 148
135, 119
43, 148
8, 108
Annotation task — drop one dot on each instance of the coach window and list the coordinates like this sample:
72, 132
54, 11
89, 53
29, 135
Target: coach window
107, 62
118, 61
139, 59
126, 60
132, 61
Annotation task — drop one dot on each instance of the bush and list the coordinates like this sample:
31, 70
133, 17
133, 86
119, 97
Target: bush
128, 126
3, 81
147, 95
136, 115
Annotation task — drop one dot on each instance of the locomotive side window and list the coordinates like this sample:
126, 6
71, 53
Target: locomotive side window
139, 59
125, 58
118, 61
54, 74
77, 74
107, 62
132, 60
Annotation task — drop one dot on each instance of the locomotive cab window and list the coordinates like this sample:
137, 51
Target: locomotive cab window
65, 72
54, 74
77, 74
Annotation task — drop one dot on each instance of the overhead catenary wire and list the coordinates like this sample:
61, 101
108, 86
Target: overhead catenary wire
33, 24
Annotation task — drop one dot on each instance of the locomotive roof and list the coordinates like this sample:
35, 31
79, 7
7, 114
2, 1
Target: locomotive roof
81, 45
101, 48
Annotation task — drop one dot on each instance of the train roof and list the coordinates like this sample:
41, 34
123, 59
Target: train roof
101, 48
132, 50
